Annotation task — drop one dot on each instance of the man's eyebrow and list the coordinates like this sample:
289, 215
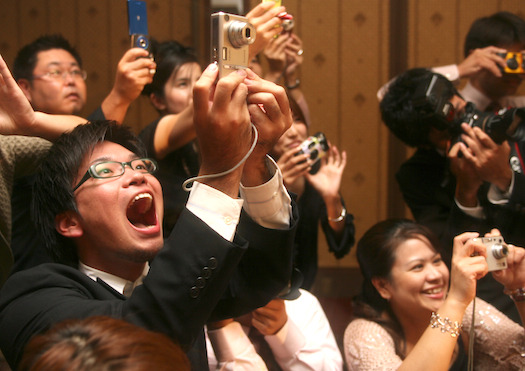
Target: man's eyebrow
110, 158
56, 63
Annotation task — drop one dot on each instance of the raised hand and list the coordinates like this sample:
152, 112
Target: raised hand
482, 59
222, 124
270, 113
267, 25
327, 181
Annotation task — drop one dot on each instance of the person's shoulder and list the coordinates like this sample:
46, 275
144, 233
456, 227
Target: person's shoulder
364, 330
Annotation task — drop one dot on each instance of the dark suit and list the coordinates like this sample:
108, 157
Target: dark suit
428, 188
197, 276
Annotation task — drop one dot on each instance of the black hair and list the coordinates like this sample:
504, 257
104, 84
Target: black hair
501, 29
399, 113
376, 254
169, 57
26, 58
53, 188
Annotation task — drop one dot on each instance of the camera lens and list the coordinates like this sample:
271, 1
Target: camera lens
240, 34
500, 251
512, 63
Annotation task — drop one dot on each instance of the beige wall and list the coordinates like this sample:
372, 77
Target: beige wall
347, 58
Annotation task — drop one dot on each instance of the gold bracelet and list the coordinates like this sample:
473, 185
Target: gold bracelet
445, 325
516, 295
340, 217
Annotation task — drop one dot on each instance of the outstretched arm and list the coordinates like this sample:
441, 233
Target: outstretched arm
17, 117
134, 70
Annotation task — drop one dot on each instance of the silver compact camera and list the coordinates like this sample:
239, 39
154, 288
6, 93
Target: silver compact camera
231, 36
497, 252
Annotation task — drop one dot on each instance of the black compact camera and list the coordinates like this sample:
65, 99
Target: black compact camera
316, 146
432, 97
514, 62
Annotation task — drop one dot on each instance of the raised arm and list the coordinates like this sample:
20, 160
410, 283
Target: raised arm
134, 70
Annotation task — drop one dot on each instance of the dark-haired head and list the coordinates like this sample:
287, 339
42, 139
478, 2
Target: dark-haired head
502, 29
408, 122
376, 254
53, 188
27, 57
169, 57
102, 343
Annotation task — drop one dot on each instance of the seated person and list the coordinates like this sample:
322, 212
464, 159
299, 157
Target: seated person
49, 72
291, 334
473, 185
407, 316
101, 343
103, 224
318, 197
24, 136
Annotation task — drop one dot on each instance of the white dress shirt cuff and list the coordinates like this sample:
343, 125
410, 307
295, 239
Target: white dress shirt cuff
230, 343
269, 204
219, 211
287, 342
497, 197
450, 71
475, 212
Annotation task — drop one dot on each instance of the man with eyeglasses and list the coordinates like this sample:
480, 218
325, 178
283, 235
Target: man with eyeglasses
100, 209
49, 72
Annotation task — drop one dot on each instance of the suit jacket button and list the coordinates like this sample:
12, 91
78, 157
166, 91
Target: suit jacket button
194, 292
212, 262
200, 283
206, 272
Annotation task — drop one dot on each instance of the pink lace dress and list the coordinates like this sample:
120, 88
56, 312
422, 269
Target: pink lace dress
499, 342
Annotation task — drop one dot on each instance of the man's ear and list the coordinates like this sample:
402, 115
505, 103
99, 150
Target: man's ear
382, 286
68, 224
25, 86
158, 102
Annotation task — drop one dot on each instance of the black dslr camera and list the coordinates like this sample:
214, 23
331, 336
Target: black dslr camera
432, 97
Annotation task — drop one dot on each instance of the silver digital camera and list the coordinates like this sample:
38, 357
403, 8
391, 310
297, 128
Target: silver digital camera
231, 36
497, 252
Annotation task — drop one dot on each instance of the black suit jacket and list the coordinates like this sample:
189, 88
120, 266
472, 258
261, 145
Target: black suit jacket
428, 188
198, 276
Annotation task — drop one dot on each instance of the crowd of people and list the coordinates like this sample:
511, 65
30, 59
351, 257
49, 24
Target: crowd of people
107, 261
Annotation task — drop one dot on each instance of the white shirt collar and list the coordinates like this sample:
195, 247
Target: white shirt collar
120, 284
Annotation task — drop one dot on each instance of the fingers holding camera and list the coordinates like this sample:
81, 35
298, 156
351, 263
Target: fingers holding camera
222, 124
133, 72
267, 25
513, 277
294, 166
468, 265
487, 58
489, 159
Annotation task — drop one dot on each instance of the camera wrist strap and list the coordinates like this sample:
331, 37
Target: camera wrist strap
207, 176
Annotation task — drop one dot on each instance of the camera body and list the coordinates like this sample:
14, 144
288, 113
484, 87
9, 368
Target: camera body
514, 62
316, 146
231, 36
497, 252
432, 98
138, 24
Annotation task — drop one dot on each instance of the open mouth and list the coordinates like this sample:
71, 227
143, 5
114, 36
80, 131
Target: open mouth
141, 211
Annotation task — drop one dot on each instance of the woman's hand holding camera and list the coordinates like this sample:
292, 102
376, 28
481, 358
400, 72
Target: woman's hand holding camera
468, 265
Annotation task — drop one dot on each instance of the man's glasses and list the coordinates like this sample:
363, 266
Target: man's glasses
56, 75
114, 169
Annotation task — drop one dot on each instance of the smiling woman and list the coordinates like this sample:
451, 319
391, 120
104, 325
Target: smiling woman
408, 316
